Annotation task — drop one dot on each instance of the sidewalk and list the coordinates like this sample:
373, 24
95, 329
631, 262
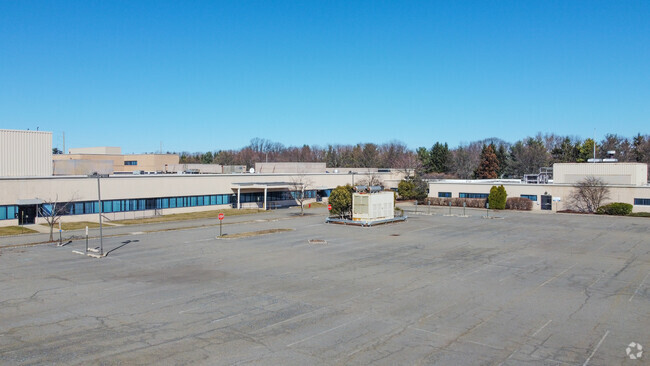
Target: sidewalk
263, 216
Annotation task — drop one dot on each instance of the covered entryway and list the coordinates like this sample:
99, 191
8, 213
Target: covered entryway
547, 202
258, 193
27, 211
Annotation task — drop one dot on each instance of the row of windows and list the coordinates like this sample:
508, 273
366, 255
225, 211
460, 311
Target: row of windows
130, 162
8, 212
531, 197
275, 196
92, 207
642, 201
473, 195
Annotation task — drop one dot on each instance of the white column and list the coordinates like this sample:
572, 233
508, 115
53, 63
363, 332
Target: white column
238, 198
265, 189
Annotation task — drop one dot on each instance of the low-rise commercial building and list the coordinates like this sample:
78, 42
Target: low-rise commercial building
94, 160
130, 196
627, 182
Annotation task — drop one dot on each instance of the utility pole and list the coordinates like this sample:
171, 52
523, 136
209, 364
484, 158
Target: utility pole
99, 201
594, 145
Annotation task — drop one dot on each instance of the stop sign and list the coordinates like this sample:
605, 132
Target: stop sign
329, 207
221, 216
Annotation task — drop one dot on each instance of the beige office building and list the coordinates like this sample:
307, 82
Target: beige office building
131, 196
627, 182
94, 159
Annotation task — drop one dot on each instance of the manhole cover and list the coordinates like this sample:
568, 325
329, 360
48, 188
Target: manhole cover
394, 234
317, 241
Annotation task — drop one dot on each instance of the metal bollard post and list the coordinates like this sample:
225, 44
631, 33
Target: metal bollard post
449, 208
86, 240
488, 210
416, 206
464, 204
429, 207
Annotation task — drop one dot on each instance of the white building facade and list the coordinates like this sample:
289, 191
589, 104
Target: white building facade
627, 183
25, 153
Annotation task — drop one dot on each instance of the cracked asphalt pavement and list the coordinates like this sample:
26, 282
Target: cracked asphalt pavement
530, 289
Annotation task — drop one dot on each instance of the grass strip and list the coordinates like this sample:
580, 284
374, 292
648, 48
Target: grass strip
15, 230
187, 216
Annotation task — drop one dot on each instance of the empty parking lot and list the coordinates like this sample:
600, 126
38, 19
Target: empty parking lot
546, 289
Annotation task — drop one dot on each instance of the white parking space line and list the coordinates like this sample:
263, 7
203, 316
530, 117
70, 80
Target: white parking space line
601, 276
225, 317
556, 276
639, 287
596, 349
323, 332
427, 331
540, 329
484, 345
287, 320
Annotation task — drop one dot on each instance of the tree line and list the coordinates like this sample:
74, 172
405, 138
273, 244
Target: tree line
488, 158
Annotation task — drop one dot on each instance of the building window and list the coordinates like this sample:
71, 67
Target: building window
444, 194
473, 195
531, 197
642, 201
130, 162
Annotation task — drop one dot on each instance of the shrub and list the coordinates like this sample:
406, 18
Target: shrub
341, 201
457, 202
413, 188
519, 203
497, 198
615, 208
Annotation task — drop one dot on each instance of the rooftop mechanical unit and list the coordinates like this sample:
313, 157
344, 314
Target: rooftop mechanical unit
373, 206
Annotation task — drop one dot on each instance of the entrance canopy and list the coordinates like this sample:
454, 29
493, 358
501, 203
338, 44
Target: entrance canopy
33, 201
262, 186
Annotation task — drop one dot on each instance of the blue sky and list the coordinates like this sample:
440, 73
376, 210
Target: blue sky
211, 75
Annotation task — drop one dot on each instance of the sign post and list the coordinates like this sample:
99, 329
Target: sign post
329, 209
221, 216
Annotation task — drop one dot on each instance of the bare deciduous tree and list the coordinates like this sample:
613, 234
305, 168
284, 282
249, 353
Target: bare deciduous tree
588, 194
408, 163
299, 184
51, 211
371, 179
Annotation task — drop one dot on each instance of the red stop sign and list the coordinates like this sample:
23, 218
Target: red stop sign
329, 207
221, 216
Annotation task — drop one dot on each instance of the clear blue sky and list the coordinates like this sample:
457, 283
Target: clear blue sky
211, 75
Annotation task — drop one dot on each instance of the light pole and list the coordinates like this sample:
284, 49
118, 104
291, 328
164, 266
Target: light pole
99, 203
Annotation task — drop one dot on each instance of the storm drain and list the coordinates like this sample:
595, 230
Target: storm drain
317, 241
